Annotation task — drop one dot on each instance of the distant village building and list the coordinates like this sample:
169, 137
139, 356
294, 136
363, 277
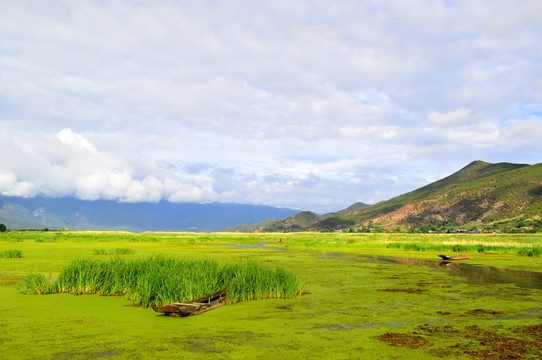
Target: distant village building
458, 231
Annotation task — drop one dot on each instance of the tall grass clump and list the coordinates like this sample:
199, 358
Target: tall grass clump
160, 280
530, 251
45, 240
12, 253
120, 251
36, 283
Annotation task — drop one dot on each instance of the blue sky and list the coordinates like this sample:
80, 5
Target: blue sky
307, 104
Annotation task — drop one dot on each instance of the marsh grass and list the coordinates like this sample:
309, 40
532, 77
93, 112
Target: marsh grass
449, 247
119, 251
36, 284
45, 240
9, 238
530, 251
160, 280
11, 253
479, 248
523, 245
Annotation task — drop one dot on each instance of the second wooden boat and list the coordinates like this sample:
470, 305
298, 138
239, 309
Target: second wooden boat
455, 257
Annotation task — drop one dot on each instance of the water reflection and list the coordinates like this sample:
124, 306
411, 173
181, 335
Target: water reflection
469, 272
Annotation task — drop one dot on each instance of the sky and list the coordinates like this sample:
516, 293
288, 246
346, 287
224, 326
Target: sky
307, 104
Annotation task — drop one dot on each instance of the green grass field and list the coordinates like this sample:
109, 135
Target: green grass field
361, 304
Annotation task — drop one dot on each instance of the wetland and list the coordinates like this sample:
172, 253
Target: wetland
366, 300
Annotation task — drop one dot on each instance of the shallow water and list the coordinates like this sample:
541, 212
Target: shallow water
471, 272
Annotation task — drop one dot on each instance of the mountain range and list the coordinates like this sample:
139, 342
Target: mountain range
75, 214
480, 194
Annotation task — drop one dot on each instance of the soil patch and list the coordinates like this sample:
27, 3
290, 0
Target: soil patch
397, 339
532, 331
499, 346
474, 342
477, 312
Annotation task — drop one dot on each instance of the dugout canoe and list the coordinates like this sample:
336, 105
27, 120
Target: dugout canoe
193, 307
456, 257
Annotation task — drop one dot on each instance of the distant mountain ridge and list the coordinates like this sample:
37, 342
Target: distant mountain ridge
481, 193
74, 214
302, 221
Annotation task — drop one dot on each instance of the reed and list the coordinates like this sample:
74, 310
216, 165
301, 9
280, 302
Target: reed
525, 250
160, 280
11, 253
530, 251
36, 283
120, 251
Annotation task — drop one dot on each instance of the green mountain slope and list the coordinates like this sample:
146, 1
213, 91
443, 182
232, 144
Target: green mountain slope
297, 222
301, 221
351, 208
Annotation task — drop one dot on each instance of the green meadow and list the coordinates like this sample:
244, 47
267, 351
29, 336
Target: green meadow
340, 296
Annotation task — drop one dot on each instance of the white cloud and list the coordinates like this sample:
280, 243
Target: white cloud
450, 118
9, 186
76, 141
7, 182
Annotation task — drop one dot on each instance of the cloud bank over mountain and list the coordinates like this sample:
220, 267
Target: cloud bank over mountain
312, 104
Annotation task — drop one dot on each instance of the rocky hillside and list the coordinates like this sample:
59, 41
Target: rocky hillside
480, 193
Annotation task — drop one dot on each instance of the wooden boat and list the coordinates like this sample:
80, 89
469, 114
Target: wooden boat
193, 307
456, 257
